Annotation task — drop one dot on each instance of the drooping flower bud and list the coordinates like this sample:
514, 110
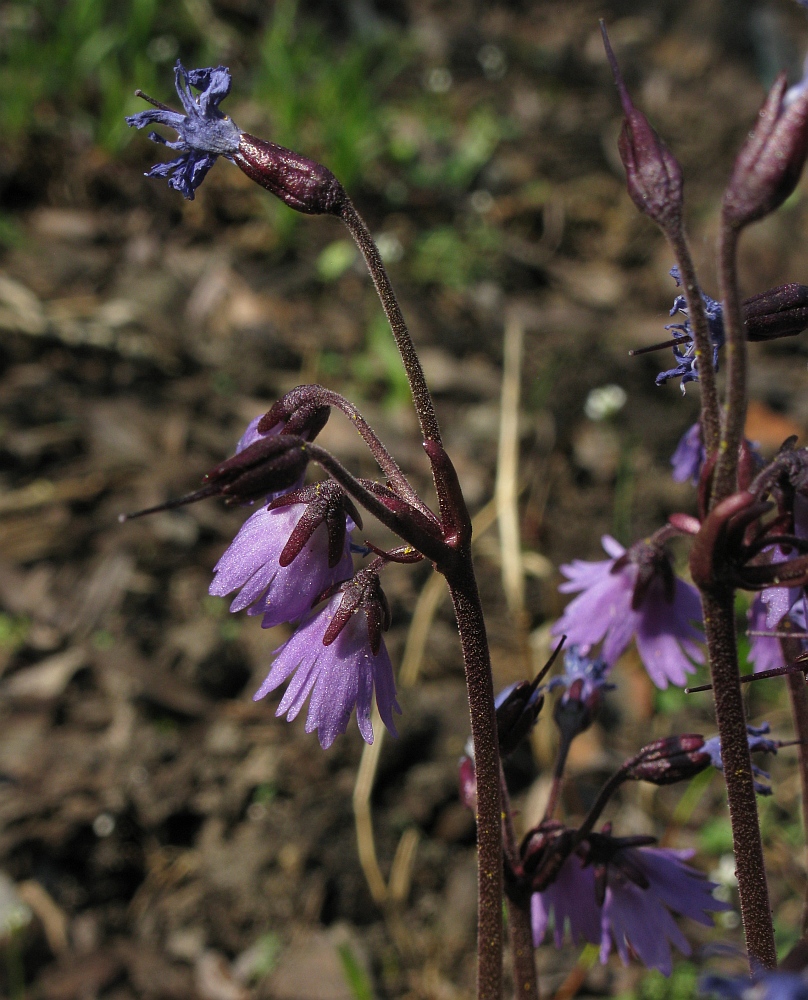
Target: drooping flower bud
770, 162
299, 412
267, 465
518, 708
300, 183
671, 759
653, 175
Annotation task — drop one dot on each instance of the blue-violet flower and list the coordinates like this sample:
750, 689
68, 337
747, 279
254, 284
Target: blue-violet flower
685, 352
204, 132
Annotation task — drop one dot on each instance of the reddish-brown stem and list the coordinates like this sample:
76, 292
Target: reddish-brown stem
558, 779
734, 419
526, 984
697, 317
798, 692
477, 662
719, 626
422, 399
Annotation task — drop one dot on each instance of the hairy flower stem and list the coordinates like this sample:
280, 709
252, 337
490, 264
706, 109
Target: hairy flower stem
477, 662
798, 691
696, 314
526, 984
421, 396
734, 419
384, 459
719, 625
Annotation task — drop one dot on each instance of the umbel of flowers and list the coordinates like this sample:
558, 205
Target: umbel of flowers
294, 562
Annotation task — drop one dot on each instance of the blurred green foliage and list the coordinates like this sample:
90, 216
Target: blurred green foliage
69, 68
74, 62
681, 985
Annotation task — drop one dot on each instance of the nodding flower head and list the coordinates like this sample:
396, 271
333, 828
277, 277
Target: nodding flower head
635, 593
204, 132
338, 656
670, 759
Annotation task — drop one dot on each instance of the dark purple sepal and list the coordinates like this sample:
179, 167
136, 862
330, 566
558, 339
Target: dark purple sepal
653, 175
770, 162
268, 465
543, 851
362, 594
300, 411
668, 760
652, 562
717, 550
777, 312
300, 183
600, 850
326, 503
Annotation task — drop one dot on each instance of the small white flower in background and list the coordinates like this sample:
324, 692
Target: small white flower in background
605, 402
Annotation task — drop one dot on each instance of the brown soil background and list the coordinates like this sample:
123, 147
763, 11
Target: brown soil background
168, 834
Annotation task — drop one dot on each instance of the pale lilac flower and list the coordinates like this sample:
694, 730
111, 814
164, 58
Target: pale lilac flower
338, 676
645, 886
765, 652
634, 593
252, 565
689, 456
204, 132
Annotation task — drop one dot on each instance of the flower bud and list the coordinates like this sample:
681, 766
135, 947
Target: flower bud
268, 465
653, 174
777, 312
671, 759
301, 411
300, 183
518, 708
770, 162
